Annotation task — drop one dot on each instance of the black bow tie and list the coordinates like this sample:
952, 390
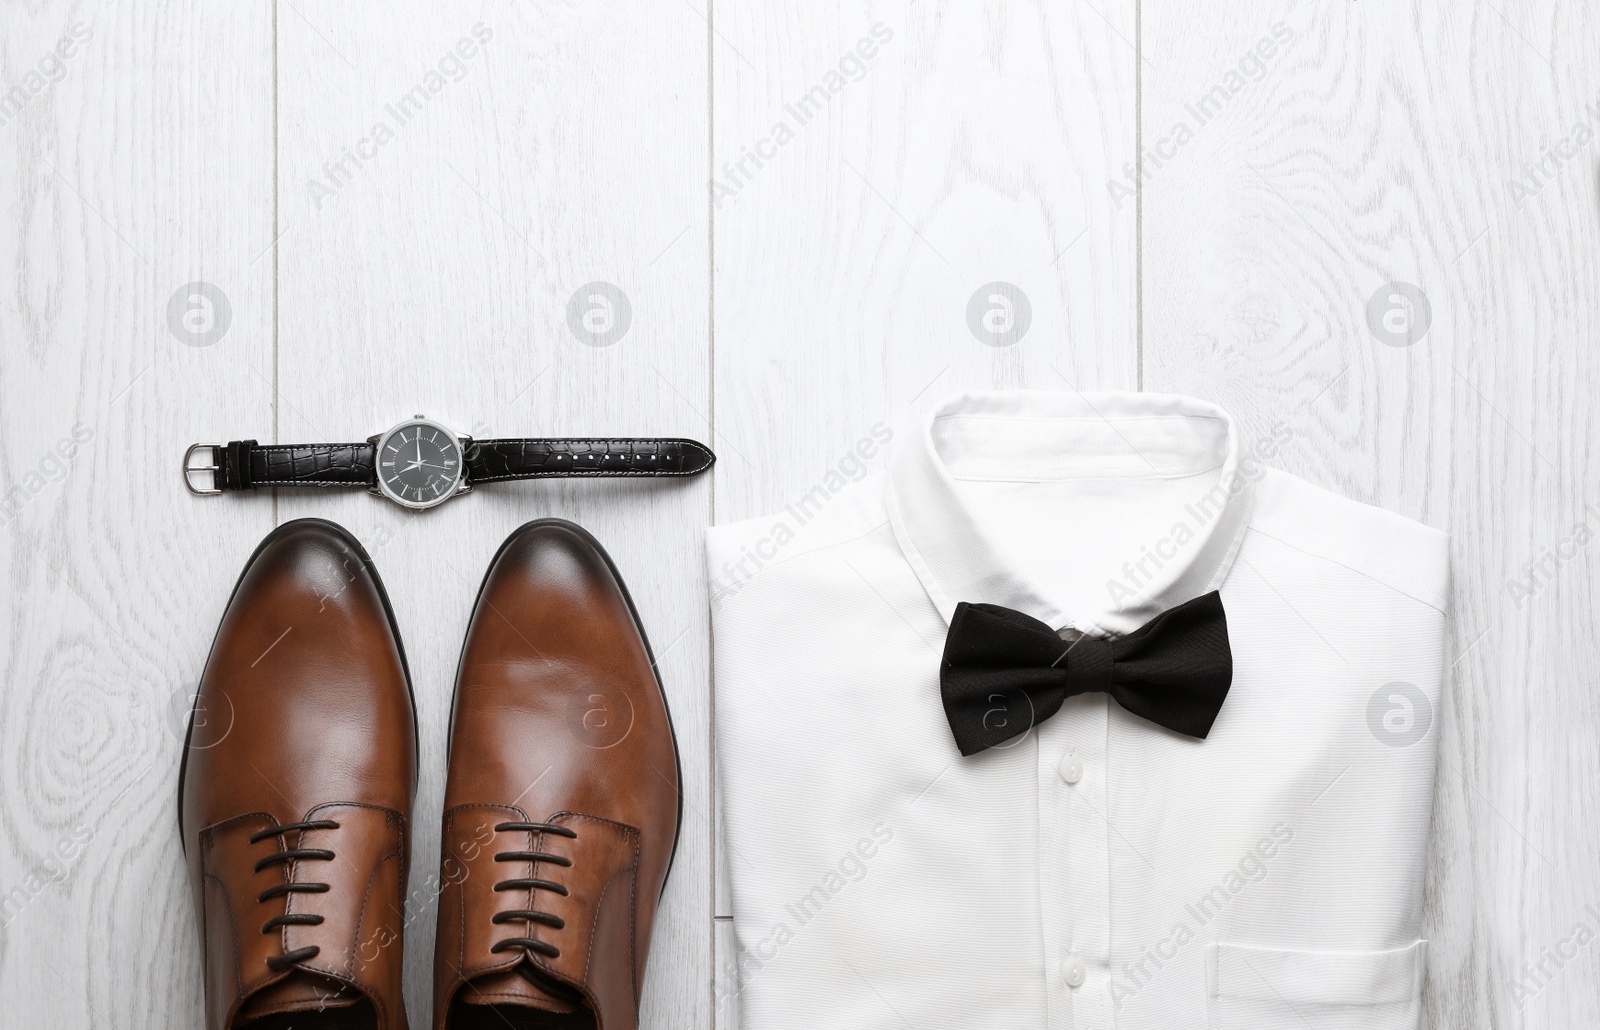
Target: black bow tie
1004, 672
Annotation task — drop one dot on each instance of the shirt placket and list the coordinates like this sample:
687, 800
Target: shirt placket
1074, 873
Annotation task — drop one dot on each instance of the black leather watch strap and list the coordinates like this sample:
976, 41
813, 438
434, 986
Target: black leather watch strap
491, 460
246, 465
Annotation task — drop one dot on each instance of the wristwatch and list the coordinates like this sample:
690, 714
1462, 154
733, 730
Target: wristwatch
420, 463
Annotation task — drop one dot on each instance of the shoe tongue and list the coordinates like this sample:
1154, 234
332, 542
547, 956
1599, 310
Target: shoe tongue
517, 986
300, 991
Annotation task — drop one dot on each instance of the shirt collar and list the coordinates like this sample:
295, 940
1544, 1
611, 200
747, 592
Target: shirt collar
1109, 434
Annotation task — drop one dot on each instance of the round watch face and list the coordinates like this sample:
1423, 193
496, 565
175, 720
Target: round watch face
419, 463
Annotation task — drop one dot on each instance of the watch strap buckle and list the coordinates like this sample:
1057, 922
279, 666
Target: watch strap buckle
189, 468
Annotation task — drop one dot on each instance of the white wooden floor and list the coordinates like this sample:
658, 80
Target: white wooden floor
798, 201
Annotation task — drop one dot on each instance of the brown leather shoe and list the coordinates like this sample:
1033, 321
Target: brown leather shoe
295, 794
562, 805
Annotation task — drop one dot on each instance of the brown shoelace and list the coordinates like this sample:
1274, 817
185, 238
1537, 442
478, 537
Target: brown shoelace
530, 915
280, 962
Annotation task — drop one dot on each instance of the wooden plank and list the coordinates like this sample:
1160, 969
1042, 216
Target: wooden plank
451, 178
725, 977
916, 155
137, 159
875, 172
1348, 158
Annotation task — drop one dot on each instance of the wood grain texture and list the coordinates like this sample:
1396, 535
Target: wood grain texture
917, 154
141, 163
799, 223
1405, 143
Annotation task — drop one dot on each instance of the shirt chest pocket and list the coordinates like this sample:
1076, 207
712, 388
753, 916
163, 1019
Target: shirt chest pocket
1266, 989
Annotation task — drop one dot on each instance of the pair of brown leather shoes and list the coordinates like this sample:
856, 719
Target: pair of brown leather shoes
561, 809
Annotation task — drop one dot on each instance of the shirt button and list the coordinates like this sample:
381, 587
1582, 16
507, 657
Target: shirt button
1071, 768
1073, 971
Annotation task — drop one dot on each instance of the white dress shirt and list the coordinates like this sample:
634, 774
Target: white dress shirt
1099, 871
